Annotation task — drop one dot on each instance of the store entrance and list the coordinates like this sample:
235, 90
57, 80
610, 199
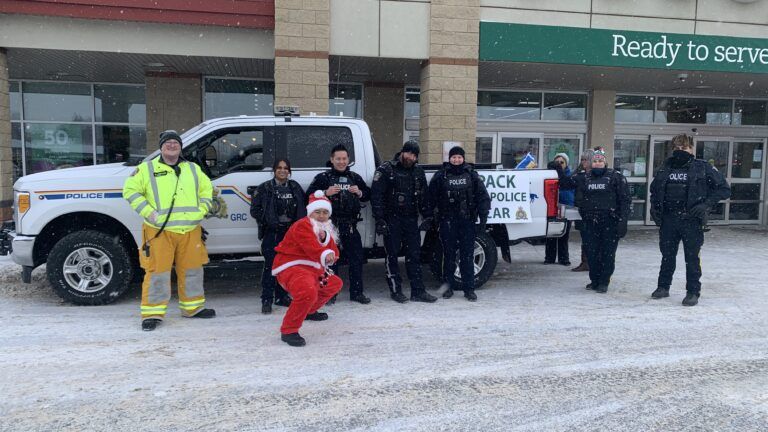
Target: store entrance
509, 148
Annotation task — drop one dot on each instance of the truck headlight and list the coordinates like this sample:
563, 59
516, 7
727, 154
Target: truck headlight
22, 202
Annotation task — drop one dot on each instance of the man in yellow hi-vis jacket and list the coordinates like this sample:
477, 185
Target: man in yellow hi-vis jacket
173, 196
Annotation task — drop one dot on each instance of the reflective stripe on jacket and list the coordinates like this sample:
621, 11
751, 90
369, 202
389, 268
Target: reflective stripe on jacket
155, 179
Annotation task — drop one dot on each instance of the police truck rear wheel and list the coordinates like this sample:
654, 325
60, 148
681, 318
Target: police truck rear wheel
89, 268
485, 258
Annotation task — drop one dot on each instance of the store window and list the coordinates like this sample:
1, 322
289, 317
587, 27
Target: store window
514, 149
630, 156
501, 105
746, 180
310, 146
60, 125
555, 145
750, 112
412, 108
693, 110
345, 100
565, 106
234, 97
484, 149
747, 160
634, 109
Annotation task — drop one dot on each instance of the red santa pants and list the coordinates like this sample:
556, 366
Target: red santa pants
308, 296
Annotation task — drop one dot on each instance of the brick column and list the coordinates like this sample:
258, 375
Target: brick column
174, 101
384, 112
601, 114
302, 42
449, 79
6, 156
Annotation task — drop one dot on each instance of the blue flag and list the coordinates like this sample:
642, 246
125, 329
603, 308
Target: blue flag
528, 162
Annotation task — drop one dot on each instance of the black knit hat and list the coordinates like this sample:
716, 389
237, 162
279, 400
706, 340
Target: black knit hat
456, 150
410, 146
169, 135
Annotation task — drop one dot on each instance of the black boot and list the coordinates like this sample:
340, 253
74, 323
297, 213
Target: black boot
591, 286
283, 301
448, 293
470, 295
423, 296
399, 297
601, 288
360, 298
205, 313
691, 299
150, 324
293, 339
266, 307
660, 293
317, 316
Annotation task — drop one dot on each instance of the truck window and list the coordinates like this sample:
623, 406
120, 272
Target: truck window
232, 150
310, 146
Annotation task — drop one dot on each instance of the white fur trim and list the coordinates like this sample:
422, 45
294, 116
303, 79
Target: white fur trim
325, 254
327, 239
319, 204
313, 264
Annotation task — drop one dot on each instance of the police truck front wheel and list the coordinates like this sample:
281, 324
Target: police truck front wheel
485, 259
89, 268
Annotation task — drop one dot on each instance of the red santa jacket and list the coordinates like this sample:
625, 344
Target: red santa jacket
300, 246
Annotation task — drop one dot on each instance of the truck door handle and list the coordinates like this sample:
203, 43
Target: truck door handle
251, 190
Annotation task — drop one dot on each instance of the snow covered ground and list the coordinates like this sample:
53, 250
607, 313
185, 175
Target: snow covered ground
537, 352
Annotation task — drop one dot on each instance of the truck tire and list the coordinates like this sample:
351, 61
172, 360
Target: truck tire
89, 268
486, 257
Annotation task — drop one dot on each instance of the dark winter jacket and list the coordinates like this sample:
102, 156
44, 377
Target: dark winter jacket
386, 190
567, 196
346, 205
705, 185
480, 204
619, 206
263, 205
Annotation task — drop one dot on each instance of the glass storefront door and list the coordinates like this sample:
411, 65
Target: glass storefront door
509, 149
513, 148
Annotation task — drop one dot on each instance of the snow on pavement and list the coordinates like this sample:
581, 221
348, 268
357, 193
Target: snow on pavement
536, 352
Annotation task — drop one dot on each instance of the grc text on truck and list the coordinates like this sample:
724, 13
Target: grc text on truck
76, 221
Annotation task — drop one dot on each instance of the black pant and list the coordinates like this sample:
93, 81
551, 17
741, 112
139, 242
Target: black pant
403, 230
675, 228
602, 239
269, 285
557, 248
351, 253
458, 234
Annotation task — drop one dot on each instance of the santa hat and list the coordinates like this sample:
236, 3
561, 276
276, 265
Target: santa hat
318, 201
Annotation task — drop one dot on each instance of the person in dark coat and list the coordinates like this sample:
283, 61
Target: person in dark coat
603, 199
398, 196
346, 190
461, 199
585, 164
557, 248
276, 204
683, 192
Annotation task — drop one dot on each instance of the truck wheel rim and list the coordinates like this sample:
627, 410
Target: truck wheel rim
478, 258
87, 270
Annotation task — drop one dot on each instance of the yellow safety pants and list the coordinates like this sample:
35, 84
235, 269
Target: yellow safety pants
187, 251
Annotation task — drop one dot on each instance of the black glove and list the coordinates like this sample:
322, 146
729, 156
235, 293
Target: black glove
427, 223
381, 227
699, 210
481, 225
621, 228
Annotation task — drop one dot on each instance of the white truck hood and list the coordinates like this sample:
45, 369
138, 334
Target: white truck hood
71, 175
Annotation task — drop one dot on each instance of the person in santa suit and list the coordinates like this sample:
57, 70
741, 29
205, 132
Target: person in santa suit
302, 267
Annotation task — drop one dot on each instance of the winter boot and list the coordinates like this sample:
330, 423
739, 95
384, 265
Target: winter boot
398, 296
266, 307
293, 339
584, 266
601, 288
284, 301
691, 299
591, 286
205, 313
470, 295
150, 324
660, 293
360, 298
317, 316
448, 293
423, 296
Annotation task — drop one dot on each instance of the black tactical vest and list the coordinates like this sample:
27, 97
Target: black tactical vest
599, 193
676, 190
345, 204
458, 190
285, 204
402, 198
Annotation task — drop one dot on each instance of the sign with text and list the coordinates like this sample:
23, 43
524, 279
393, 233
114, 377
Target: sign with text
602, 47
510, 196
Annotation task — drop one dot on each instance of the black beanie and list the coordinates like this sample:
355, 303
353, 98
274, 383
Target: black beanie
456, 150
169, 135
410, 146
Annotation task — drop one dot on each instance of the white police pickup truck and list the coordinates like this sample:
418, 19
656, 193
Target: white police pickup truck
76, 221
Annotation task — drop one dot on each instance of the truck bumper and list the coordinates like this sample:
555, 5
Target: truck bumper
22, 249
556, 227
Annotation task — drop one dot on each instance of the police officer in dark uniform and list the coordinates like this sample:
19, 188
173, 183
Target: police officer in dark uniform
398, 195
346, 190
275, 205
603, 199
683, 191
461, 198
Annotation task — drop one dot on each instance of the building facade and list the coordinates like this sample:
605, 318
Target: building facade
96, 84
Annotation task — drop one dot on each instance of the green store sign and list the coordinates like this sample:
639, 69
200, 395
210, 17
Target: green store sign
600, 47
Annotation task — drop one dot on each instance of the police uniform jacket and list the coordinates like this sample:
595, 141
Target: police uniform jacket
463, 185
346, 205
401, 191
704, 183
608, 193
264, 205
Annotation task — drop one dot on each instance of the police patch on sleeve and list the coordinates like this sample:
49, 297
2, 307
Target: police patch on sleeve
376, 175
